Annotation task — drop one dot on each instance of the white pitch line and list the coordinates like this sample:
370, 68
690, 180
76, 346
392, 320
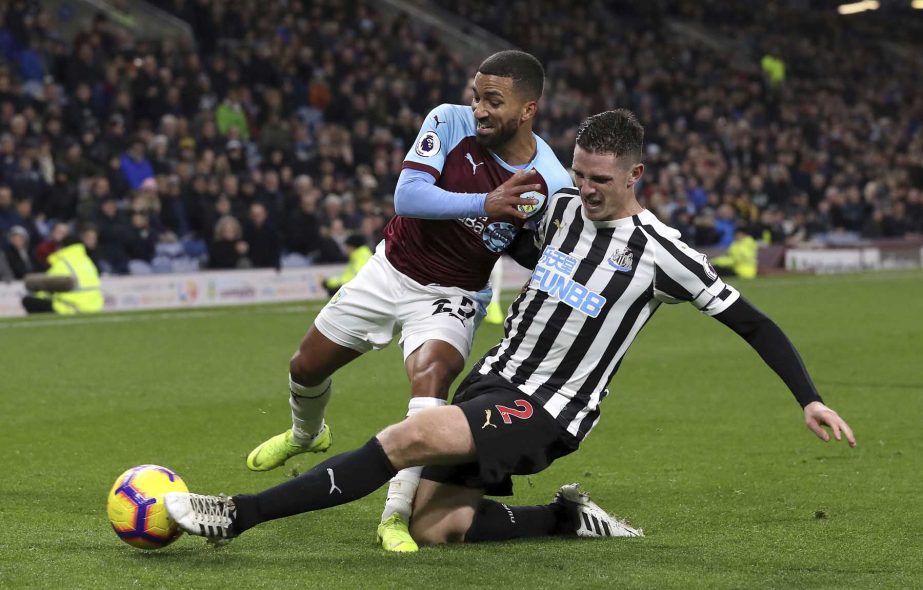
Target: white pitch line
141, 316
107, 319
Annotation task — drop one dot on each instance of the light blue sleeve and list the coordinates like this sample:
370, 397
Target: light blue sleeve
417, 196
556, 176
444, 127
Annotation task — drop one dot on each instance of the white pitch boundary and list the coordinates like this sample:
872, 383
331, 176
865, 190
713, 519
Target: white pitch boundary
142, 316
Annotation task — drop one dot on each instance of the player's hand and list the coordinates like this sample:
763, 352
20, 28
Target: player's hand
817, 415
505, 200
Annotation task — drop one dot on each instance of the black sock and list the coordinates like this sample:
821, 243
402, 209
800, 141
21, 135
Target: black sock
494, 521
338, 480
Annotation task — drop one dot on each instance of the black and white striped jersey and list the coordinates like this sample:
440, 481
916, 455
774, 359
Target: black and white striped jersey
592, 290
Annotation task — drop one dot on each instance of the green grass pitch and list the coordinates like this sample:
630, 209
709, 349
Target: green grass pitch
699, 444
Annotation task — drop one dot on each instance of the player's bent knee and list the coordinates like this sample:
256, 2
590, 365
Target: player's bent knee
433, 436
304, 371
434, 379
405, 443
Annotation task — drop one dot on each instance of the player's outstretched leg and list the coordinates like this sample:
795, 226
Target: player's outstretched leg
588, 519
435, 436
308, 434
338, 480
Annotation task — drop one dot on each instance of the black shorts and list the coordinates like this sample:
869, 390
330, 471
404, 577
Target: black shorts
512, 436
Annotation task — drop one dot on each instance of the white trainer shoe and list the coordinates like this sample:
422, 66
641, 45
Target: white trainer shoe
206, 516
589, 519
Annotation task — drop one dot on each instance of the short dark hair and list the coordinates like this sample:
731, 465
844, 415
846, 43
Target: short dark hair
526, 71
612, 132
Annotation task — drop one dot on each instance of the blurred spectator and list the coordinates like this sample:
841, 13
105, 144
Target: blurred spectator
228, 249
59, 231
16, 254
332, 211
771, 228
89, 237
774, 69
704, 230
302, 228
262, 238
147, 197
725, 225
8, 215
332, 244
6, 273
173, 209
69, 286
230, 115
142, 239
113, 236
357, 253
134, 165
740, 260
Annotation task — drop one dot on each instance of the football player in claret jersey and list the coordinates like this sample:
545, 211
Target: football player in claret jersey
602, 267
474, 177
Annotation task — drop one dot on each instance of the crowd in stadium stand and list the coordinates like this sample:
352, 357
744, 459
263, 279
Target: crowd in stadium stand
831, 150
280, 136
282, 132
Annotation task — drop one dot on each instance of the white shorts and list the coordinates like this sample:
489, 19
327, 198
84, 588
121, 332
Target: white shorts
380, 301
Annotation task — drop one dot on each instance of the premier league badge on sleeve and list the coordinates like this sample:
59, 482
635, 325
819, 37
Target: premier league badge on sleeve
710, 271
428, 145
498, 236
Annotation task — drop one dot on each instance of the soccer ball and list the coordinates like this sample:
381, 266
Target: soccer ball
136, 510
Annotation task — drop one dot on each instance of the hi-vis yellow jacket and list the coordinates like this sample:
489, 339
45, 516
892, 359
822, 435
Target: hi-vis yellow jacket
86, 297
357, 260
741, 257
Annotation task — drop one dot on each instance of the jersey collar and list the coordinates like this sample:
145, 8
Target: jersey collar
515, 169
643, 218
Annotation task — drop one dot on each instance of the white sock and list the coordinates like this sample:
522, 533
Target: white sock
403, 486
308, 405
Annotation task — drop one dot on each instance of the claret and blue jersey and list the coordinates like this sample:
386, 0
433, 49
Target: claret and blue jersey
462, 252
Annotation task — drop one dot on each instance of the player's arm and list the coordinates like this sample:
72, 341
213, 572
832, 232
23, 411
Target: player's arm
777, 351
418, 196
525, 249
682, 274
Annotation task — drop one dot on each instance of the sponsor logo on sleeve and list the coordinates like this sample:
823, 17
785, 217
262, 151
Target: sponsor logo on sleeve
428, 145
532, 209
498, 236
